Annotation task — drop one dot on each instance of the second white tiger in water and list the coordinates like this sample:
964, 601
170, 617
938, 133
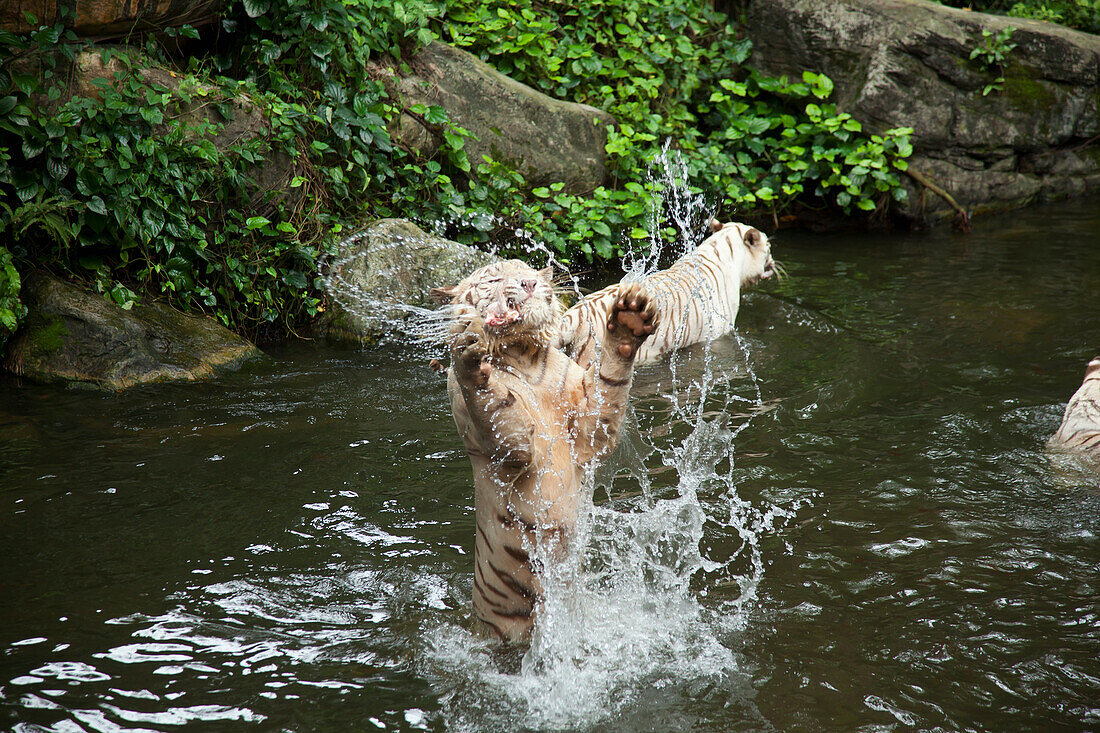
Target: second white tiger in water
697, 297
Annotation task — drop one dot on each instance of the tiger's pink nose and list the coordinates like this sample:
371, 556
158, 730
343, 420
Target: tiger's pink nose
529, 285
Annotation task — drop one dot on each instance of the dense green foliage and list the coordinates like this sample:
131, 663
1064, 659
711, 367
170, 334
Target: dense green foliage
219, 183
668, 71
11, 309
1081, 14
126, 186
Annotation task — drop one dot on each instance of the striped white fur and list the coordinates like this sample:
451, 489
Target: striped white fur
1080, 428
532, 421
697, 297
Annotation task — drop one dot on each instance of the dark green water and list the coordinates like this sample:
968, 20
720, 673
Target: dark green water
289, 548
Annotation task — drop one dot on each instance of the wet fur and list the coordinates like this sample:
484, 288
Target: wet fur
1080, 428
532, 421
698, 296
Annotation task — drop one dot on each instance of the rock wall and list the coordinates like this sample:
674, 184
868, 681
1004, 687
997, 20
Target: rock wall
906, 63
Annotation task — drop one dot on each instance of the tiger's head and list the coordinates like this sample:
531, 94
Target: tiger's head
750, 247
508, 301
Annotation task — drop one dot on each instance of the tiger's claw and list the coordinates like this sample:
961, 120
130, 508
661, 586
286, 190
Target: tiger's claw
471, 359
637, 315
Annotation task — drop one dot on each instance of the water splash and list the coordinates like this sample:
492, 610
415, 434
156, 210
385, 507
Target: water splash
675, 204
376, 291
372, 274
369, 278
656, 596
657, 586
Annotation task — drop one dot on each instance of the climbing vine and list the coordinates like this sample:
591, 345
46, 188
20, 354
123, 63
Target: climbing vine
11, 309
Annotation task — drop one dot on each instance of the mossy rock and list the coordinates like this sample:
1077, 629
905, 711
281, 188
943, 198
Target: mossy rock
76, 337
1024, 90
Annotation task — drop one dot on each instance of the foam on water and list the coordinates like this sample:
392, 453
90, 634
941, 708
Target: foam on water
630, 607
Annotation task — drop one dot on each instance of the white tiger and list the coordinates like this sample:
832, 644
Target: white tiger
1080, 428
532, 422
697, 297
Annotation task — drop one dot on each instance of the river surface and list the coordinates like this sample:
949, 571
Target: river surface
843, 519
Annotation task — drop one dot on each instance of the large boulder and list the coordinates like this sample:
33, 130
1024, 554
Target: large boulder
107, 18
74, 336
906, 63
545, 139
380, 279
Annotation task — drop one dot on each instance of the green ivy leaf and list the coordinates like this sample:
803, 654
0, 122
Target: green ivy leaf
255, 8
295, 279
436, 115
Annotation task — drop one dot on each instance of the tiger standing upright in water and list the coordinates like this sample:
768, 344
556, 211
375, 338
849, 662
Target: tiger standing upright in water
532, 421
698, 296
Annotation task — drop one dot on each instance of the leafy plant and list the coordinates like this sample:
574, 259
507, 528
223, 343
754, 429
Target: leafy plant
217, 180
12, 309
127, 187
669, 72
1081, 14
991, 54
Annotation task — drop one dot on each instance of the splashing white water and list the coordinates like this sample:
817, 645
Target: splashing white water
657, 585
641, 605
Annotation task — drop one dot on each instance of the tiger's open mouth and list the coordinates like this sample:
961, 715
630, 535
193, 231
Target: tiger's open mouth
498, 317
769, 269
504, 311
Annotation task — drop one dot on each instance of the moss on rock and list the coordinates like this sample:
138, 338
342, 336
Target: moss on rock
48, 333
76, 337
1025, 91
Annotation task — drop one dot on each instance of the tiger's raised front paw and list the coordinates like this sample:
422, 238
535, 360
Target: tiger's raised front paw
633, 319
471, 359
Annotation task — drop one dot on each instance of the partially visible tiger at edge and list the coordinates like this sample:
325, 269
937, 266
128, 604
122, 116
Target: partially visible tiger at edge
1080, 428
698, 296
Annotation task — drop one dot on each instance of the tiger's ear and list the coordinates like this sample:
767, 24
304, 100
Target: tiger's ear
715, 225
754, 238
443, 296
547, 274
